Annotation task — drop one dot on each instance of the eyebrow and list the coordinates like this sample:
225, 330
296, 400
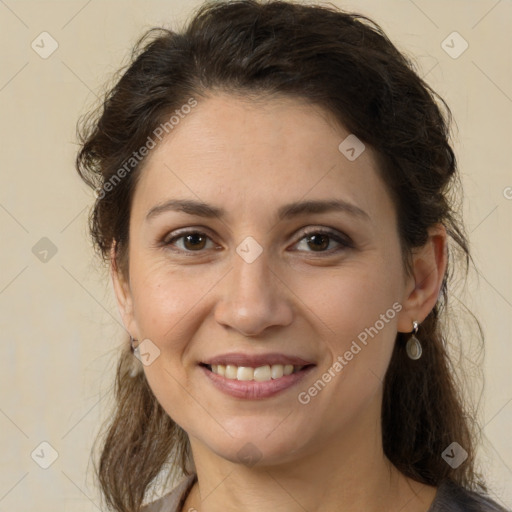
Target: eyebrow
193, 207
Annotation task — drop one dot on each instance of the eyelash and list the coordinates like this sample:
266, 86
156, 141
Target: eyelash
345, 243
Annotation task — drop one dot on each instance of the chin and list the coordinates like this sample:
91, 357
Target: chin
264, 448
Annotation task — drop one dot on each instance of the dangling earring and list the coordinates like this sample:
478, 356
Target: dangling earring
413, 346
136, 366
134, 349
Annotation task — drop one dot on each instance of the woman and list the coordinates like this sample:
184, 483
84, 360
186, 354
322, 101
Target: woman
273, 199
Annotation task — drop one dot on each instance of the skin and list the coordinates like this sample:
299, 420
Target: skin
202, 299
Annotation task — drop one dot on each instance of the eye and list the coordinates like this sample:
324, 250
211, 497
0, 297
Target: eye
192, 241
320, 240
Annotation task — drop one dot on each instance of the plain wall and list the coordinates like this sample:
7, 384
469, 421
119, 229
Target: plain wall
59, 322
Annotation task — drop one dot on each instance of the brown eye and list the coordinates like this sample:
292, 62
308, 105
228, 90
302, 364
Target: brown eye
319, 241
194, 241
189, 241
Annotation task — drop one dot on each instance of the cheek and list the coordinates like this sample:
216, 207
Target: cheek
166, 299
351, 299
355, 310
168, 307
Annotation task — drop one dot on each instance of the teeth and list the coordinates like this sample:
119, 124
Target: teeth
260, 374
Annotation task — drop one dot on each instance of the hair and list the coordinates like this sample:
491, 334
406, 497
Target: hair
344, 63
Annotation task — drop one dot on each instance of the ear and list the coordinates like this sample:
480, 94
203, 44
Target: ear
423, 287
123, 294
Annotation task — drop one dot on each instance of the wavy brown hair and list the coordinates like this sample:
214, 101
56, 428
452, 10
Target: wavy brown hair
344, 63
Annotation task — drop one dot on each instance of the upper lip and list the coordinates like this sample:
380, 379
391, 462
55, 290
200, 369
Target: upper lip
256, 360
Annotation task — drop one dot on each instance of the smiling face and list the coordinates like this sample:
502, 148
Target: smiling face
306, 283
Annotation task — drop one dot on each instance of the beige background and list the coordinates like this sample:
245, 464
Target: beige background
58, 319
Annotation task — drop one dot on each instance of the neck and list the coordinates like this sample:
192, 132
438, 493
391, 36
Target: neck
344, 472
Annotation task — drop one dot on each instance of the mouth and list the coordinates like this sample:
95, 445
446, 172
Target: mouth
255, 383
262, 373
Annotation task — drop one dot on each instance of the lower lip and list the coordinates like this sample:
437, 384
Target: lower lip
254, 390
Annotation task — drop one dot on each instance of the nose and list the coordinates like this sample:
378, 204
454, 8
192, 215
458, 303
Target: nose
253, 298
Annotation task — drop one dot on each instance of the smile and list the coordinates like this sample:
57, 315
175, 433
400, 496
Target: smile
260, 374
254, 383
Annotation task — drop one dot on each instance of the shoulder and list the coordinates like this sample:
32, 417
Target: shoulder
451, 497
172, 501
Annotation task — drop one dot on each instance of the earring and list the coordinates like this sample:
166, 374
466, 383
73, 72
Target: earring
136, 366
413, 346
133, 347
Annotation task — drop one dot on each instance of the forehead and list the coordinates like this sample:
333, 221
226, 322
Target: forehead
243, 154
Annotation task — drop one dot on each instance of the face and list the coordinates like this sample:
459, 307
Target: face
251, 275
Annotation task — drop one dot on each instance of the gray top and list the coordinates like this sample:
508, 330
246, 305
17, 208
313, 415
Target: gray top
449, 498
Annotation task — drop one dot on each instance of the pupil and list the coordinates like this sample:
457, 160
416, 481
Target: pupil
317, 241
